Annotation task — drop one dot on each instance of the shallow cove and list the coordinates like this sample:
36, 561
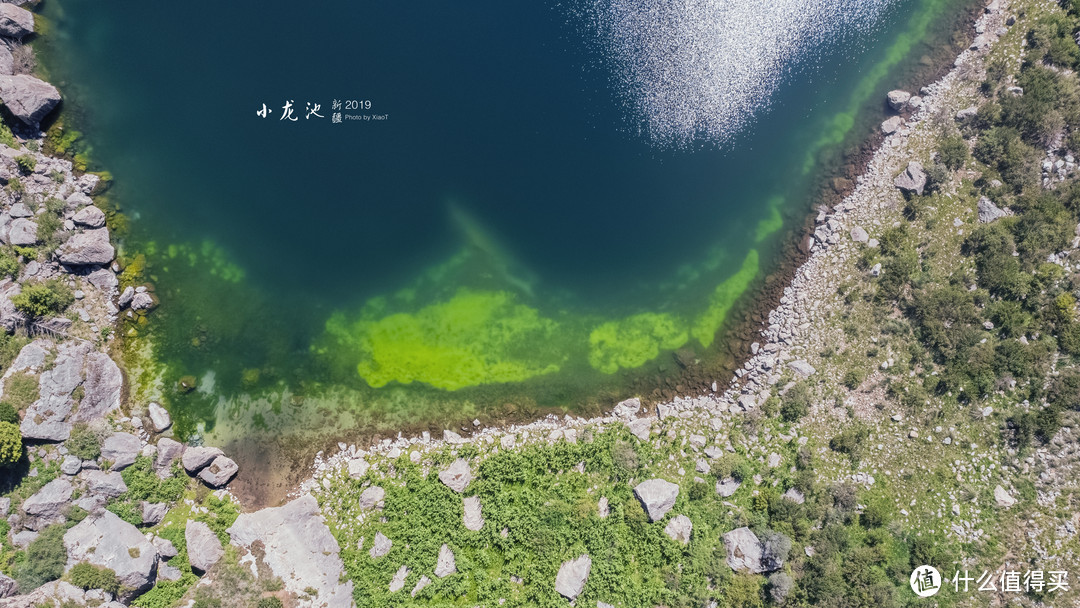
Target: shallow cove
504, 239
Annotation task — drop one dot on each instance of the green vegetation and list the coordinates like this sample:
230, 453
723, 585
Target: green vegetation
26, 163
21, 390
43, 561
89, 576
9, 264
84, 442
10, 444
144, 485
41, 299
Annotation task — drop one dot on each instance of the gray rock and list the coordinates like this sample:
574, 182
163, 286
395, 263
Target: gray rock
891, 125
49, 502
1003, 498
101, 388
859, 235
420, 584
10, 318
794, 496
168, 450
195, 459
103, 539
104, 279
7, 61
473, 518
602, 508
967, 113
219, 472
153, 513
20, 210
457, 476
570, 581
801, 367
299, 549
203, 546
913, 179
372, 498
15, 22
743, 551
657, 496
898, 99
641, 428
164, 547
679, 528
125, 298
71, 465
142, 301
29, 99
398, 582
22, 231
8, 586
358, 467
91, 217
105, 483
5, 506
159, 417
446, 565
165, 572
988, 211
381, 546
24, 538
120, 449
627, 409
87, 248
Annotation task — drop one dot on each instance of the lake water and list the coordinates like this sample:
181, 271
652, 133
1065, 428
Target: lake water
523, 202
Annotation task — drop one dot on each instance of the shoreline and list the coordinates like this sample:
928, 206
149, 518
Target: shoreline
781, 336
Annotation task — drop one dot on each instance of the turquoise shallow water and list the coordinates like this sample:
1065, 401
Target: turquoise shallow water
500, 157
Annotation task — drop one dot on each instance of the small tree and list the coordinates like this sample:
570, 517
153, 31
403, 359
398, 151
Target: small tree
41, 299
10, 444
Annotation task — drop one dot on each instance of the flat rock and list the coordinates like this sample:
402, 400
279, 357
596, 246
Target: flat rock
120, 449
398, 582
570, 581
457, 476
446, 565
1003, 498
801, 367
47, 418
913, 179
859, 235
168, 450
29, 99
641, 428
194, 459
679, 528
22, 232
358, 467
794, 496
203, 546
602, 509
48, 503
473, 518
159, 417
153, 513
105, 483
743, 551
381, 546
657, 496
420, 584
892, 125
91, 217
299, 549
101, 389
372, 498
15, 22
219, 472
87, 248
103, 539
71, 465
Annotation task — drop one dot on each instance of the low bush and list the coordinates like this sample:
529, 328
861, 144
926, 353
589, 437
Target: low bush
88, 576
41, 299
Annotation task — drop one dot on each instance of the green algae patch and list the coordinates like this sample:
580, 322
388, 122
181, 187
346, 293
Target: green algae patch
773, 222
475, 338
723, 298
205, 254
634, 341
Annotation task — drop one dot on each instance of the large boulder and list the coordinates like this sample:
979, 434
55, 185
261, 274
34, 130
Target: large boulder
298, 548
87, 248
159, 417
203, 546
109, 484
23, 232
473, 518
913, 179
47, 418
898, 99
220, 472
446, 565
743, 551
105, 540
91, 217
457, 476
372, 498
657, 496
195, 459
27, 98
48, 504
120, 449
570, 581
7, 61
988, 211
101, 389
679, 528
15, 22
168, 451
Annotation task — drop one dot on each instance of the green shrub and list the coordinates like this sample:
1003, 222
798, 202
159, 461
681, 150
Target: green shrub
21, 390
953, 152
45, 559
84, 442
26, 163
8, 413
40, 299
9, 264
48, 224
10, 444
269, 602
850, 441
88, 576
796, 403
